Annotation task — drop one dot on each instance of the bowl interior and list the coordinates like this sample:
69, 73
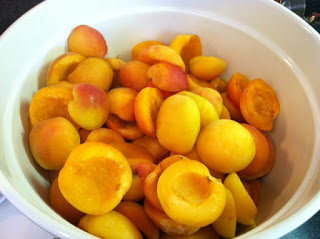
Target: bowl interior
245, 49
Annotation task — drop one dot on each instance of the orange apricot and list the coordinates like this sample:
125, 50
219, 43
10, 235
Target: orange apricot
51, 142
133, 153
234, 112
105, 135
147, 105
153, 146
189, 195
271, 161
168, 77
159, 53
140, 171
136, 213
137, 49
134, 75
128, 129
219, 84
259, 104
254, 169
115, 63
87, 41
235, 87
122, 102
53, 174
207, 67
62, 66
95, 178
188, 46
90, 106
83, 133
62, 206
93, 70
166, 224
50, 102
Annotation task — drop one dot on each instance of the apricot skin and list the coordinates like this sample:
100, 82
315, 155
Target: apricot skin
87, 41
134, 75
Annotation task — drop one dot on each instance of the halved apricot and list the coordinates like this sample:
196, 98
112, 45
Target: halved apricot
235, 113
137, 49
189, 195
104, 135
115, 63
259, 104
236, 85
207, 67
147, 105
95, 178
219, 84
134, 75
159, 53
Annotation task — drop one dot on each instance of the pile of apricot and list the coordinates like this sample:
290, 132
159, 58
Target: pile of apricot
157, 147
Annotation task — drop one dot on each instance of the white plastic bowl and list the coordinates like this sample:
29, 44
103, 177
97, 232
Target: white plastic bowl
258, 38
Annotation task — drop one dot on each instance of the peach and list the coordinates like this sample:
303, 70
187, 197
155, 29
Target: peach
87, 41
207, 67
226, 146
122, 101
110, 225
246, 210
259, 104
178, 127
234, 112
95, 178
203, 233
151, 181
128, 129
83, 133
137, 49
95, 71
188, 46
51, 142
253, 187
189, 195
133, 153
226, 224
139, 172
212, 96
207, 111
62, 206
159, 53
135, 212
134, 75
147, 105
62, 66
107, 136
153, 146
225, 113
90, 106
166, 224
115, 63
219, 85
168, 77
50, 102
261, 158
196, 83
236, 85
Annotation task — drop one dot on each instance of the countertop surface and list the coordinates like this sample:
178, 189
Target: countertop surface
11, 218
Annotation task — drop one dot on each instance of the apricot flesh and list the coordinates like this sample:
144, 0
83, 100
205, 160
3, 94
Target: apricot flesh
178, 135
226, 146
51, 142
87, 41
109, 226
190, 195
236, 85
95, 178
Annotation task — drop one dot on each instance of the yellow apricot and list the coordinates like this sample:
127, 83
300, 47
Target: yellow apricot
178, 127
226, 146
95, 178
112, 225
207, 67
104, 135
190, 195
